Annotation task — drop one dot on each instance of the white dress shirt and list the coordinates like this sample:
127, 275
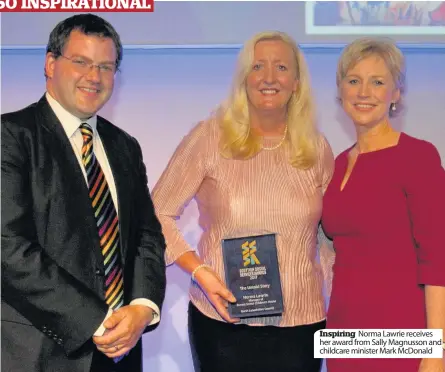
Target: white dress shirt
70, 124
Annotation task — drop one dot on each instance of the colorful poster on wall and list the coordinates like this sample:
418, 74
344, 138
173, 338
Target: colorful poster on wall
375, 17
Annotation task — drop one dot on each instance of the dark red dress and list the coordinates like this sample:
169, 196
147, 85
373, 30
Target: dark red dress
388, 227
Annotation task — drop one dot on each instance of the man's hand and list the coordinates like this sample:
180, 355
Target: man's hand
124, 328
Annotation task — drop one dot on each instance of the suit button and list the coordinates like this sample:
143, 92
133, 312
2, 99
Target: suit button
99, 272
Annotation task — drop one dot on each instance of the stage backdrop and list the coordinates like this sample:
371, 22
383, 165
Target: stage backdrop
161, 94
203, 22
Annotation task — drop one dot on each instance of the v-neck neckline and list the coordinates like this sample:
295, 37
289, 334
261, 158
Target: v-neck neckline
359, 157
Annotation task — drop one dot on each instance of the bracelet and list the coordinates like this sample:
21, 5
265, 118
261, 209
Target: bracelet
198, 268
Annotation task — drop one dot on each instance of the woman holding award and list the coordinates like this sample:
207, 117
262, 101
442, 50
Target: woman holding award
257, 165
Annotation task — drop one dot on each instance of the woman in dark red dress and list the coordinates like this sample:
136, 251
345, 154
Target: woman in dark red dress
385, 211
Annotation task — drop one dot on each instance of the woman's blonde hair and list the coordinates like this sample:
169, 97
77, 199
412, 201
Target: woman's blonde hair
238, 141
384, 48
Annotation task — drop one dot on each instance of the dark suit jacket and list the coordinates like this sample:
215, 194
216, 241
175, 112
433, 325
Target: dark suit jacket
52, 268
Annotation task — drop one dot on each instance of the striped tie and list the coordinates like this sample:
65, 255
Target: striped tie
106, 220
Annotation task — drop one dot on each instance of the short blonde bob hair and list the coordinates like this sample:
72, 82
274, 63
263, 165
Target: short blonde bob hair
238, 141
384, 48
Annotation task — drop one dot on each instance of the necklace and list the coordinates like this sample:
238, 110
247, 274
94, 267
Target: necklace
279, 143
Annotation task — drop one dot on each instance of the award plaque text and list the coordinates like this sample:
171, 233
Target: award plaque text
252, 275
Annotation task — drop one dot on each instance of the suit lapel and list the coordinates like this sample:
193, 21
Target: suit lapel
118, 164
70, 175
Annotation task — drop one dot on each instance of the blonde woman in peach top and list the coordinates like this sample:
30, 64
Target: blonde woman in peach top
258, 164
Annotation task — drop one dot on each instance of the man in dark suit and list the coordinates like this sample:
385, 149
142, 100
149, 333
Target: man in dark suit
83, 271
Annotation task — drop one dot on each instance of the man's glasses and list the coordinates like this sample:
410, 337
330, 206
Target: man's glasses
84, 66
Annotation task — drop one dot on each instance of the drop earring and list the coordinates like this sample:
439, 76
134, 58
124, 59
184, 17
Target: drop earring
393, 106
